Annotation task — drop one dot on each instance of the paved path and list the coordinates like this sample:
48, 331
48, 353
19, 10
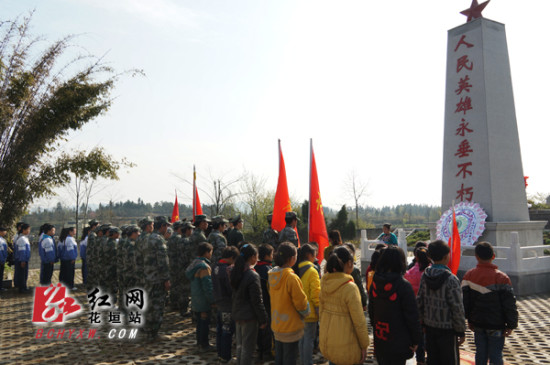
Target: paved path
530, 344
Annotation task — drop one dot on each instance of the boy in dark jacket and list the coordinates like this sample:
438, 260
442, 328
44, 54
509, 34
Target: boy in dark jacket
199, 273
222, 300
440, 308
265, 336
490, 305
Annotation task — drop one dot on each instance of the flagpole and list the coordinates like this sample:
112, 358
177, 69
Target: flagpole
309, 205
194, 192
452, 229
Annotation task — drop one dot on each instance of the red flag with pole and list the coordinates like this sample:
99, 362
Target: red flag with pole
316, 218
454, 244
197, 209
281, 204
176, 210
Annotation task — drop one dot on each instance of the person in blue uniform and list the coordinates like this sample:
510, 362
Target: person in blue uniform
47, 252
22, 256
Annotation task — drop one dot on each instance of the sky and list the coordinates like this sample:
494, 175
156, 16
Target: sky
224, 80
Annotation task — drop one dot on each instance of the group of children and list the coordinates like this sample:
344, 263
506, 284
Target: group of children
425, 309
266, 297
272, 300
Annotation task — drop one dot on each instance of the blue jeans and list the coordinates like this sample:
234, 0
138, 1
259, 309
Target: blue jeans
305, 344
203, 328
224, 335
489, 345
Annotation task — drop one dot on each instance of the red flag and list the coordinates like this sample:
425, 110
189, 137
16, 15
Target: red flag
176, 210
282, 200
317, 227
454, 244
197, 209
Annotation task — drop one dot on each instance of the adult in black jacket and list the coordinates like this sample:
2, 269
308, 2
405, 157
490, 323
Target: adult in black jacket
248, 308
392, 310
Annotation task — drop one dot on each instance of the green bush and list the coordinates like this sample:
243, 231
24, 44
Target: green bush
418, 236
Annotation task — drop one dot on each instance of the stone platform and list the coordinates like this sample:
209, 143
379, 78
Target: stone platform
529, 344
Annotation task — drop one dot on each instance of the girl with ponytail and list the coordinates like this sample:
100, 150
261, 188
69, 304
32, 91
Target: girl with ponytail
248, 310
343, 334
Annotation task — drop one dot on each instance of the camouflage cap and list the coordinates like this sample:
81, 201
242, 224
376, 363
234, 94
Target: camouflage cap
115, 230
291, 215
219, 219
145, 221
188, 225
105, 227
177, 225
132, 228
237, 219
93, 222
162, 219
201, 218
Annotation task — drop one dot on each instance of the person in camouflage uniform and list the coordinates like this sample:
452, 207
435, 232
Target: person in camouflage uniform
91, 259
157, 277
216, 237
198, 236
146, 225
120, 272
110, 260
101, 244
236, 235
288, 233
129, 263
270, 235
187, 258
129, 266
175, 256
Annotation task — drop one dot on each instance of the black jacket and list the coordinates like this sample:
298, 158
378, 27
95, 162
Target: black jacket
222, 286
489, 300
262, 268
247, 299
394, 316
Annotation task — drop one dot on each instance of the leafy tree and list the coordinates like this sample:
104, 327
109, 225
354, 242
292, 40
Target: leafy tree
83, 169
41, 102
258, 201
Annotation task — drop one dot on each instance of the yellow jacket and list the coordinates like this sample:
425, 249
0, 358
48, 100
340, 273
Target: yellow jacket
312, 287
342, 327
289, 304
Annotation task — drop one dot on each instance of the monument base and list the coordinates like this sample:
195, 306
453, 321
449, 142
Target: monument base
499, 233
519, 253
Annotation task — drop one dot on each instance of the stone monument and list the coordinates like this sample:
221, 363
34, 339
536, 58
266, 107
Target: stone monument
481, 153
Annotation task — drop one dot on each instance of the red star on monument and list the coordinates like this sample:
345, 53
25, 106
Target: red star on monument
475, 10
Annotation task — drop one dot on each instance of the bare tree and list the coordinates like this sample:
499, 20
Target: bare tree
357, 190
220, 190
